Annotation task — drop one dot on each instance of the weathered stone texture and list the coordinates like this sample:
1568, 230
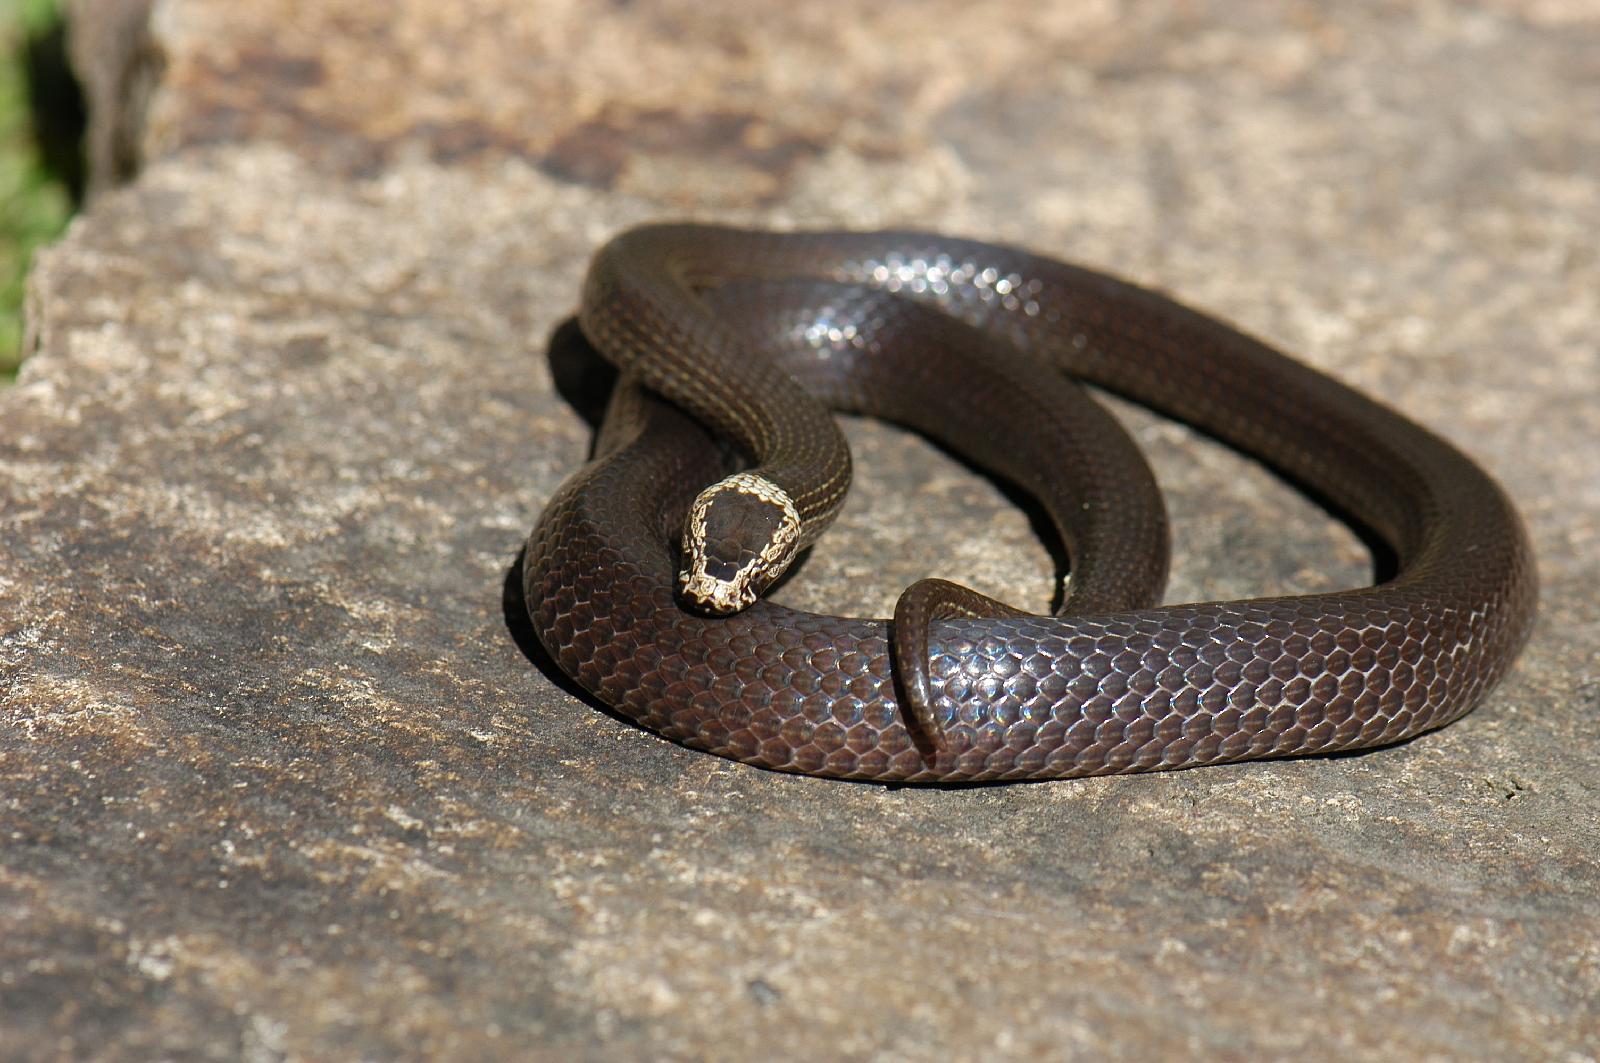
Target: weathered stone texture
278, 778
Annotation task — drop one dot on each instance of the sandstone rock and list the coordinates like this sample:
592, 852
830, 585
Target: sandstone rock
283, 776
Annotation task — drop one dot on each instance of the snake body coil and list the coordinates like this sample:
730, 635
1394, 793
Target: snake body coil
1114, 685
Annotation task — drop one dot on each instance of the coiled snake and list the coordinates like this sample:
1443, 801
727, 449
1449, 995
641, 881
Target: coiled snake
756, 334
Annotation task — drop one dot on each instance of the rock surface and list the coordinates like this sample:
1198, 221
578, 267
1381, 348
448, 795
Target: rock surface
281, 779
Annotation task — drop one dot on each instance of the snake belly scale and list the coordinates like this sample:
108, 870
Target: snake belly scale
1112, 684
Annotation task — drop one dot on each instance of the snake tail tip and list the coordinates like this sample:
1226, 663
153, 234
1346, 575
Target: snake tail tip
927, 733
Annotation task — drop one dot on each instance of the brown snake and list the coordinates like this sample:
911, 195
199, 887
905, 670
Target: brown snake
939, 333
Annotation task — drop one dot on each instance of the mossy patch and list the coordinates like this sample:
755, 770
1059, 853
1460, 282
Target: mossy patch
40, 157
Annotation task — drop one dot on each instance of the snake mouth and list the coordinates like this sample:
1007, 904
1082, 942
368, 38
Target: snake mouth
715, 595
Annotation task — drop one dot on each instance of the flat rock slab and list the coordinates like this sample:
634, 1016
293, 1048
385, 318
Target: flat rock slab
281, 776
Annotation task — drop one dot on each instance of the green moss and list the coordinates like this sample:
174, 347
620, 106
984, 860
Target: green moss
39, 113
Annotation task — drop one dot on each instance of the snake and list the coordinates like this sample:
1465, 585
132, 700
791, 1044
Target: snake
719, 462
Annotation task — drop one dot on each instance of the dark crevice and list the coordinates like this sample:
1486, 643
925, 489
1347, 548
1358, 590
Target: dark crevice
56, 108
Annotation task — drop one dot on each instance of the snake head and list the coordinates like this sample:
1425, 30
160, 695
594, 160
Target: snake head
741, 535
